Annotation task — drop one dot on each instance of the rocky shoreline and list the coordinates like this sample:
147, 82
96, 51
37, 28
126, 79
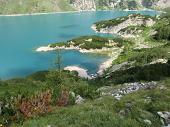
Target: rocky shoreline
108, 63
113, 55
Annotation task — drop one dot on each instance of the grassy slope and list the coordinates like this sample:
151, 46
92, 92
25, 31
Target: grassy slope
33, 6
106, 111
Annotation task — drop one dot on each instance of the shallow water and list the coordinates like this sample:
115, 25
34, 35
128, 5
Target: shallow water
21, 35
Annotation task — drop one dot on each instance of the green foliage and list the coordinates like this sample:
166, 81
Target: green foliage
130, 111
91, 42
132, 28
38, 76
153, 72
145, 56
163, 27
109, 23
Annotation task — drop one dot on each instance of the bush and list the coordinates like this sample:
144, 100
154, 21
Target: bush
153, 72
36, 105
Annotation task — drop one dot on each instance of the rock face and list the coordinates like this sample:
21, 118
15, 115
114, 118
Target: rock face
84, 5
126, 89
161, 4
119, 4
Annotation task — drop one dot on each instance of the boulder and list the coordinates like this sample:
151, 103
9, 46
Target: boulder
165, 118
79, 99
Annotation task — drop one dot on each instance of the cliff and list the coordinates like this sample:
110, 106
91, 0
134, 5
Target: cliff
120, 4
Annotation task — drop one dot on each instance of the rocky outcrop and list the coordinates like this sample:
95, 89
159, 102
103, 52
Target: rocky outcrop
84, 5
119, 4
160, 4
79, 99
126, 88
131, 21
165, 118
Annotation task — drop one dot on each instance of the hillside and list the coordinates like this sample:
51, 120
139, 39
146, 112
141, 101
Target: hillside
40, 6
33, 6
119, 4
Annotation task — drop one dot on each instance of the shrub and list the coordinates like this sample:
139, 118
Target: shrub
36, 105
63, 99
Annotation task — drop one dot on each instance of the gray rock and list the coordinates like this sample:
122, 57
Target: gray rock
165, 118
79, 100
147, 121
162, 87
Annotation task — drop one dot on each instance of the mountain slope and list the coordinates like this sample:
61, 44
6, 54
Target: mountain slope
120, 4
33, 6
40, 6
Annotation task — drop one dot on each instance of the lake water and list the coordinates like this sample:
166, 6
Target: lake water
20, 36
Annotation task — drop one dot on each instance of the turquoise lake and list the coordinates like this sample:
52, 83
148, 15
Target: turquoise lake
21, 35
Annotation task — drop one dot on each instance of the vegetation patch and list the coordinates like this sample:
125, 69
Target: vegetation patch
91, 42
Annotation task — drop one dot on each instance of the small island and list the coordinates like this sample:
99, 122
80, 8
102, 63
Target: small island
87, 44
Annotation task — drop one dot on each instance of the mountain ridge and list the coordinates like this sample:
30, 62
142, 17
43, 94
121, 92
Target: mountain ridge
45, 6
120, 4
